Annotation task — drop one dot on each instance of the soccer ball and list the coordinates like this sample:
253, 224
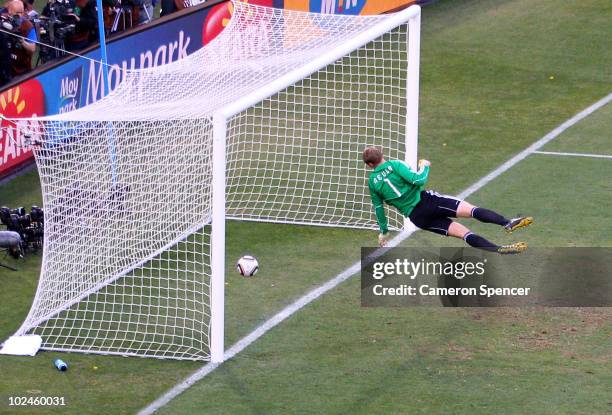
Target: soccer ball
247, 266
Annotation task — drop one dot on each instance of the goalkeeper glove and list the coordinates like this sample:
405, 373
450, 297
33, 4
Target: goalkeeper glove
383, 238
423, 163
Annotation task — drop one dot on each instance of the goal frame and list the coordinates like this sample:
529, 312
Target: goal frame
219, 122
411, 15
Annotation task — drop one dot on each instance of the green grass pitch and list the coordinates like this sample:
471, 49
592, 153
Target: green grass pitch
486, 94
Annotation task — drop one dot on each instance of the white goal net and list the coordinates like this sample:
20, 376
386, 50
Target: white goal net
265, 123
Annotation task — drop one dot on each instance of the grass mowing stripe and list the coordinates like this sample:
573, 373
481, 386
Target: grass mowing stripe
556, 153
353, 269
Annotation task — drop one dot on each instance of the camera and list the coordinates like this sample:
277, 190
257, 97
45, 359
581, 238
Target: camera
10, 24
7, 45
30, 226
56, 24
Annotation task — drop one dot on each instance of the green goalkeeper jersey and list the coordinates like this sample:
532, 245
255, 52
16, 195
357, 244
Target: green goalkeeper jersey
396, 184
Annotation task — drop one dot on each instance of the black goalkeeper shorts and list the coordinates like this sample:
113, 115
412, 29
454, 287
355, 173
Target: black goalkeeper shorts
434, 211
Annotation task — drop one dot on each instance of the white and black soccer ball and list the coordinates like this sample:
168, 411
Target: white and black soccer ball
247, 266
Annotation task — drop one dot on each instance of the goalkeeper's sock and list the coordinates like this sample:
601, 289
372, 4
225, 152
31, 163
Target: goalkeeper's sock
488, 216
479, 242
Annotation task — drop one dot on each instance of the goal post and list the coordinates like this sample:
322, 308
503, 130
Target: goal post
217, 286
412, 97
265, 123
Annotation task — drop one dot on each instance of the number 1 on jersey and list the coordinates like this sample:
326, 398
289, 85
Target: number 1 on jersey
392, 187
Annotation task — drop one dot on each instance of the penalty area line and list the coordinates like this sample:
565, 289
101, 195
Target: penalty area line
354, 269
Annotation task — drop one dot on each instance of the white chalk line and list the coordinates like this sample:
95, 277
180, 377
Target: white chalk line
355, 268
557, 153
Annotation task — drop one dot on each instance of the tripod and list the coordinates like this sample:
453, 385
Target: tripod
123, 14
6, 252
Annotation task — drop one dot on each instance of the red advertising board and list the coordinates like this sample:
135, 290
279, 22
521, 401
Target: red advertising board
25, 100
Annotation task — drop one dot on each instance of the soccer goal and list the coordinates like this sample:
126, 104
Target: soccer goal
267, 122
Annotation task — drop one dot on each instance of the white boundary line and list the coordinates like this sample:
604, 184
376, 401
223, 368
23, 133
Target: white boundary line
353, 269
556, 153
536, 146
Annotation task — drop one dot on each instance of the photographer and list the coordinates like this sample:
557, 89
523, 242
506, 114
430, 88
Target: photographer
5, 58
74, 25
20, 51
86, 17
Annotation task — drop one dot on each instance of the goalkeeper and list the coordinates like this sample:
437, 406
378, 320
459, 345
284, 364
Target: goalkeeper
396, 184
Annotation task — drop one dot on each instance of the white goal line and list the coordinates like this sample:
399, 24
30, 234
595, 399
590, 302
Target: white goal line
557, 153
354, 269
